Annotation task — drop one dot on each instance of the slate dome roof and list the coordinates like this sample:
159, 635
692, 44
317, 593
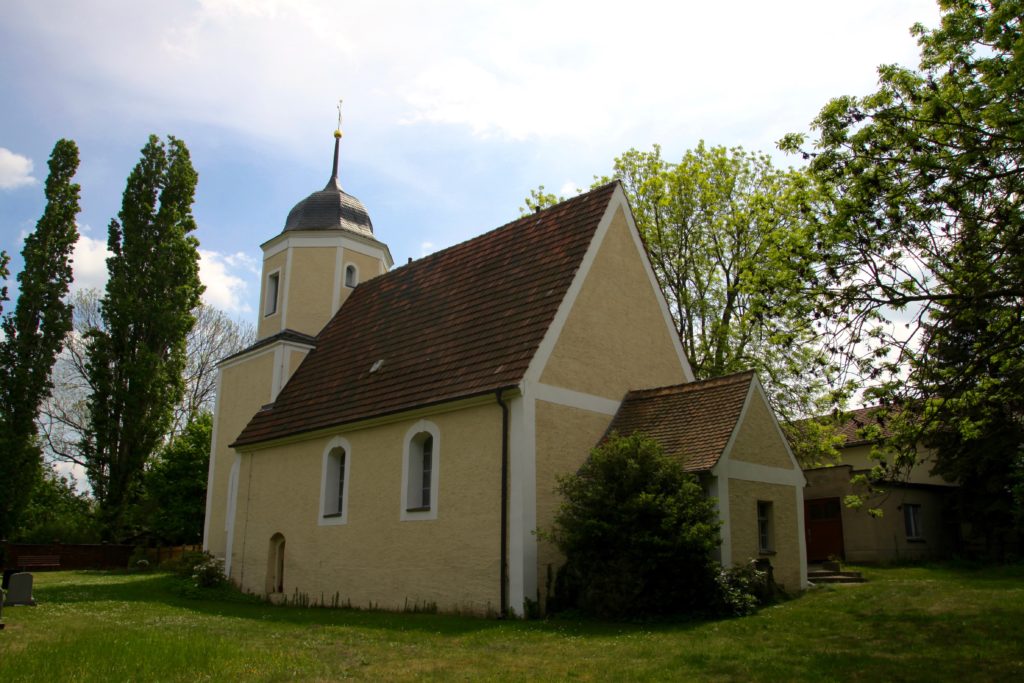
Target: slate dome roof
331, 208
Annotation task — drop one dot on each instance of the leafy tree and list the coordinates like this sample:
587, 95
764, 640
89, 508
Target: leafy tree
4, 260
64, 416
214, 337
922, 286
175, 502
34, 333
57, 512
137, 359
637, 532
730, 239
538, 200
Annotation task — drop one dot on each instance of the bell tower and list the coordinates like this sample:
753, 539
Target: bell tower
326, 249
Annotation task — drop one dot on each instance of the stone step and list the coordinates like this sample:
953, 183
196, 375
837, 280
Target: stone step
822, 576
824, 572
838, 579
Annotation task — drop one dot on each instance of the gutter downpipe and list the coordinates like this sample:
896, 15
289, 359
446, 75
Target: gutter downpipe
504, 506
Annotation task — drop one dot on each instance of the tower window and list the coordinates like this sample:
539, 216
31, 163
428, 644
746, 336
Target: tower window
270, 300
351, 276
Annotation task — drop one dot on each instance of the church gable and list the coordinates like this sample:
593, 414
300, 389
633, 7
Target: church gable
759, 440
617, 334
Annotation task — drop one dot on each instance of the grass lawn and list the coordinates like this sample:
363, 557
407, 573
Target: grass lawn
931, 623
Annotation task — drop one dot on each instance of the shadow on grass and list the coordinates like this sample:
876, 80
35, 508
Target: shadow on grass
170, 590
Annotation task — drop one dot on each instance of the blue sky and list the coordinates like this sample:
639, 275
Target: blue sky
453, 110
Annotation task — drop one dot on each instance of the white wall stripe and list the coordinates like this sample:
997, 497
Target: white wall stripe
575, 399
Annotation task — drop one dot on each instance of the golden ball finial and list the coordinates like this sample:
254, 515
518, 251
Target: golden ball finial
337, 133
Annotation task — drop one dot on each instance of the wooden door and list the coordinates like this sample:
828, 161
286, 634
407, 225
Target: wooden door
823, 522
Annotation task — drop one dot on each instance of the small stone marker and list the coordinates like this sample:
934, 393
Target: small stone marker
19, 591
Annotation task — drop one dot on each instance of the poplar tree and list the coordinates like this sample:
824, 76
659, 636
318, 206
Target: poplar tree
136, 360
35, 332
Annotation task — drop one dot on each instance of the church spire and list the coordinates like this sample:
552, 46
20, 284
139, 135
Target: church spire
337, 145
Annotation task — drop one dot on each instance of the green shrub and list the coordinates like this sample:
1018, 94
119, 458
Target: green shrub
638, 533
743, 589
209, 572
184, 565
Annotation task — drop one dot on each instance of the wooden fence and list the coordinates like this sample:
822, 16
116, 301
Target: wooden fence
70, 556
164, 554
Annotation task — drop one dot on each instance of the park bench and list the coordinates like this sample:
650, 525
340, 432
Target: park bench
26, 562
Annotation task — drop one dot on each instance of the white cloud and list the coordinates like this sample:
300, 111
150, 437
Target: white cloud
225, 289
569, 189
223, 274
15, 170
89, 262
595, 71
426, 248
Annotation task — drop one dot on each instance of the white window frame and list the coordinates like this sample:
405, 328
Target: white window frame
355, 275
765, 527
912, 522
327, 513
412, 472
275, 276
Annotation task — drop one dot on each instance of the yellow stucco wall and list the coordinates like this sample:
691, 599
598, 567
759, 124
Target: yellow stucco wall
564, 438
369, 267
271, 324
859, 457
743, 498
244, 388
294, 360
310, 288
375, 558
615, 337
759, 440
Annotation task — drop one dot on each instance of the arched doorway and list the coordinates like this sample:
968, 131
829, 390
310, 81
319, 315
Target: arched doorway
275, 564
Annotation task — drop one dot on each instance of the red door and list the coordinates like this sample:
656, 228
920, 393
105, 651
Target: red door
823, 523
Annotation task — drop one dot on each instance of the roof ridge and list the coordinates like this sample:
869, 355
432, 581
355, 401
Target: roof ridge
651, 392
560, 206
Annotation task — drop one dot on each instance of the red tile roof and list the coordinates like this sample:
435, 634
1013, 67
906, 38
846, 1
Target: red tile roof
692, 421
857, 421
458, 323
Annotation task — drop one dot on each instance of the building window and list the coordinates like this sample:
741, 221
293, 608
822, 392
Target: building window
912, 521
426, 448
420, 472
765, 540
270, 298
337, 471
351, 276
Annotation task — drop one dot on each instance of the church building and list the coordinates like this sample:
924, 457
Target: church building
394, 435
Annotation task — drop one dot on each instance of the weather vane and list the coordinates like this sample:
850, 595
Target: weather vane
337, 132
